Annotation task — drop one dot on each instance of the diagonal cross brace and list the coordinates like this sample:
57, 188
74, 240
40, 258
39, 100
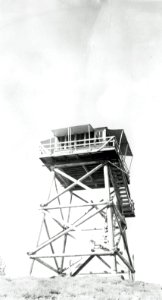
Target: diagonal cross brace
83, 265
60, 234
72, 179
75, 183
62, 225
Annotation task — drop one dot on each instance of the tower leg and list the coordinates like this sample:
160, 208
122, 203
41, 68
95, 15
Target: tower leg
113, 252
109, 218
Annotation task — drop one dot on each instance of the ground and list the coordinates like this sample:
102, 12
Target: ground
82, 288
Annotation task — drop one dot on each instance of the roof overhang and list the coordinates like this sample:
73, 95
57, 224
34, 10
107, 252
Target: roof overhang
122, 141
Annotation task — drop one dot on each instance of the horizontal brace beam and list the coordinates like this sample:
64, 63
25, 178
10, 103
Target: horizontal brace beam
73, 206
73, 254
77, 163
91, 229
107, 273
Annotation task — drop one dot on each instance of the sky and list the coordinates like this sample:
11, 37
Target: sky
71, 62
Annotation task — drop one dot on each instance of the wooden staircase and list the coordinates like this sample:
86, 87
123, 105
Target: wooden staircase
120, 182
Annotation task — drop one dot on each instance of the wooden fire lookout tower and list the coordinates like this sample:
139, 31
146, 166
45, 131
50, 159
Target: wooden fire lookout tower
84, 218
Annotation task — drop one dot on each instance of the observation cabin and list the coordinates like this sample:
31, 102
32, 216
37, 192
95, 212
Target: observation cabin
77, 150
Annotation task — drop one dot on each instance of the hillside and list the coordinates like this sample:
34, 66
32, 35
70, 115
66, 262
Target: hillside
82, 288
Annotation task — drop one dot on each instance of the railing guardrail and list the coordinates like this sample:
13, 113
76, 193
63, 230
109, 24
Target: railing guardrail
51, 148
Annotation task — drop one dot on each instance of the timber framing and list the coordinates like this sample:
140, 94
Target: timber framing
106, 209
84, 217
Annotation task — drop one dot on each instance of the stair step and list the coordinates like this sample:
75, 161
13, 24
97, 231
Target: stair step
117, 174
127, 210
120, 186
125, 201
126, 206
129, 215
118, 179
123, 194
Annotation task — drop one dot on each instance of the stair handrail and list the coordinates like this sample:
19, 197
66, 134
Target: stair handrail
103, 146
43, 149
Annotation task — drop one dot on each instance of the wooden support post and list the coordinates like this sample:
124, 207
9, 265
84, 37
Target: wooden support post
89, 136
32, 264
126, 262
123, 234
109, 218
51, 246
65, 236
59, 201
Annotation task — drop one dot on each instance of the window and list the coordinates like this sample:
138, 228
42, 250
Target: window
80, 139
98, 136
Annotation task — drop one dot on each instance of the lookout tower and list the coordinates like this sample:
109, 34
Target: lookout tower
84, 219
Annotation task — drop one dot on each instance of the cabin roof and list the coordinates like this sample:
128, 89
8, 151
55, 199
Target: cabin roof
120, 136
73, 130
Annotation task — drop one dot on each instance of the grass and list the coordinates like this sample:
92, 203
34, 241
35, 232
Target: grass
82, 288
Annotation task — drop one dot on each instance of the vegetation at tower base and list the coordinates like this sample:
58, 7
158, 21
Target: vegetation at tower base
82, 288
2, 267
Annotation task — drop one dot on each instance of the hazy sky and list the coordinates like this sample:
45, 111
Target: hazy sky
73, 62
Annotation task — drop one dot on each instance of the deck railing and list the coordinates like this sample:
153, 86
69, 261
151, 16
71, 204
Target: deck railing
51, 148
